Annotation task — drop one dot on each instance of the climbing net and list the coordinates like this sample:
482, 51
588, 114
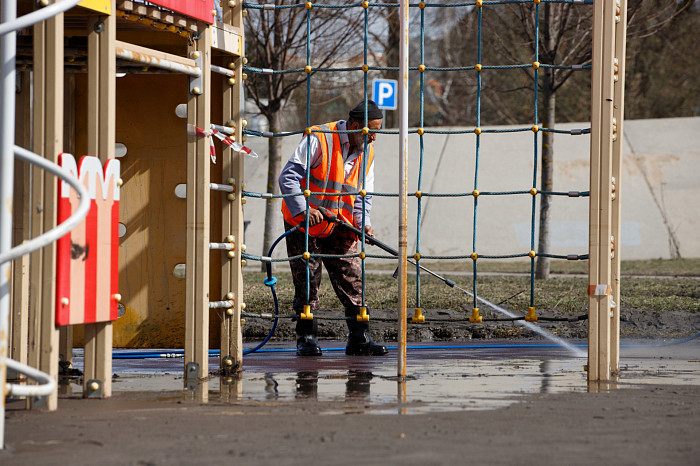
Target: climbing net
419, 10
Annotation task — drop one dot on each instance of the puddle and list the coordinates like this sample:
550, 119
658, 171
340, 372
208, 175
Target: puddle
451, 378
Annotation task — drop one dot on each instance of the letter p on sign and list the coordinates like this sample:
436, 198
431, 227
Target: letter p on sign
385, 93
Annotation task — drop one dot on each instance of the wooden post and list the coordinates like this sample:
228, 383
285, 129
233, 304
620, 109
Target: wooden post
618, 115
599, 272
48, 141
198, 213
232, 208
22, 213
100, 143
65, 333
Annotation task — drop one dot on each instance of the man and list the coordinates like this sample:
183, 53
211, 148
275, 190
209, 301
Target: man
336, 161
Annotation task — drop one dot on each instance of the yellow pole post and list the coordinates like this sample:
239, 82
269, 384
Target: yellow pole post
403, 188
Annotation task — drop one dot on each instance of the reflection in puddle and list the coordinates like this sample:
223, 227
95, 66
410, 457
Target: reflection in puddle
449, 380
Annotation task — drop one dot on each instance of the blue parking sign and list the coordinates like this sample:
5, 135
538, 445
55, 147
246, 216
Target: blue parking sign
385, 93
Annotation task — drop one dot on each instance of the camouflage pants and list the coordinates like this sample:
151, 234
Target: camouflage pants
345, 273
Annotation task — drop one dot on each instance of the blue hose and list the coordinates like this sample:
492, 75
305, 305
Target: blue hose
214, 353
271, 282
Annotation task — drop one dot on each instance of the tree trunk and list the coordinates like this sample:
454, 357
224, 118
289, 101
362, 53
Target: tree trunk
274, 166
546, 178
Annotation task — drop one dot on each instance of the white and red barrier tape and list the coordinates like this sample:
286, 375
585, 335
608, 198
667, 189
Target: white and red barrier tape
238, 147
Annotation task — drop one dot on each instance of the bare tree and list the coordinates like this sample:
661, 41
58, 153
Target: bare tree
280, 41
564, 38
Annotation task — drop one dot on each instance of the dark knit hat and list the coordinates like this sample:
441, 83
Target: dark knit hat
373, 111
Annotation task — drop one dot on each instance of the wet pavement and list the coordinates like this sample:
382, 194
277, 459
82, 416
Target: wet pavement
441, 377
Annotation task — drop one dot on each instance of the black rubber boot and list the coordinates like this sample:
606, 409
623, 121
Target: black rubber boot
307, 344
360, 343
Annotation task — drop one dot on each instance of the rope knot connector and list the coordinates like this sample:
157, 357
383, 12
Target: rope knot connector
533, 191
475, 317
363, 316
477, 131
532, 254
416, 256
307, 69
474, 256
418, 317
306, 315
475, 193
363, 192
306, 256
419, 194
531, 316
477, 67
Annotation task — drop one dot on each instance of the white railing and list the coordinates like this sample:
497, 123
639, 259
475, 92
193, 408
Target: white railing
8, 53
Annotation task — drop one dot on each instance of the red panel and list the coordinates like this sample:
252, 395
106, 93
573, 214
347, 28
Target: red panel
114, 287
200, 9
63, 264
91, 264
89, 276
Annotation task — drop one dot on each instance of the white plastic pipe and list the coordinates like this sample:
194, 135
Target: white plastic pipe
46, 383
8, 54
65, 227
36, 16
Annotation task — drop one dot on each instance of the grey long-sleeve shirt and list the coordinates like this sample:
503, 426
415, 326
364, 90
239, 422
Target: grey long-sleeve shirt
295, 170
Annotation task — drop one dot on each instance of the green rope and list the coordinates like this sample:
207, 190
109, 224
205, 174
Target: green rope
482, 132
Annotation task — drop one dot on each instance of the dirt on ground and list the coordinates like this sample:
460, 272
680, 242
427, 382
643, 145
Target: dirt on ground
651, 425
450, 325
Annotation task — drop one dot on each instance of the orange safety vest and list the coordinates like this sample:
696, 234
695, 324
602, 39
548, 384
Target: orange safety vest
329, 178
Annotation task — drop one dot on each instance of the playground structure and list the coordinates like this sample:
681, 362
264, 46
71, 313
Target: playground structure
190, 55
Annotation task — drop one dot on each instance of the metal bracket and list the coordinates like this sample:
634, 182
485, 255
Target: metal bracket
93, 389
192, 371
228, 366
196, 81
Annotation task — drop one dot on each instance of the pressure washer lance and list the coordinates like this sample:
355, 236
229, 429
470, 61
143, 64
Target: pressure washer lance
374, 241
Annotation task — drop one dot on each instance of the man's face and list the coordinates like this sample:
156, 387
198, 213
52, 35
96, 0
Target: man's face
357, 139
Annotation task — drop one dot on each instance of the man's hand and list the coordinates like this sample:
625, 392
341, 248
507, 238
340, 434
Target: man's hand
369, 231
315, 217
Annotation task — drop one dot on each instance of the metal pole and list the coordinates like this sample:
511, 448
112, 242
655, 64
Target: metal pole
403, 186
8, 50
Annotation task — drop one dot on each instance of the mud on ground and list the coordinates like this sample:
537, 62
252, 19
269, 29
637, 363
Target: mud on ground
450, 325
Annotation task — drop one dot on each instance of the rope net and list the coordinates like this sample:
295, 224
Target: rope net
419, 10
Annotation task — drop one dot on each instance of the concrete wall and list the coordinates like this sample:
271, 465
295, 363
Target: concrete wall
659, 191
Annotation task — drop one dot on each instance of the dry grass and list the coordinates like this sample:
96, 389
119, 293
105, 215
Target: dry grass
678, 290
